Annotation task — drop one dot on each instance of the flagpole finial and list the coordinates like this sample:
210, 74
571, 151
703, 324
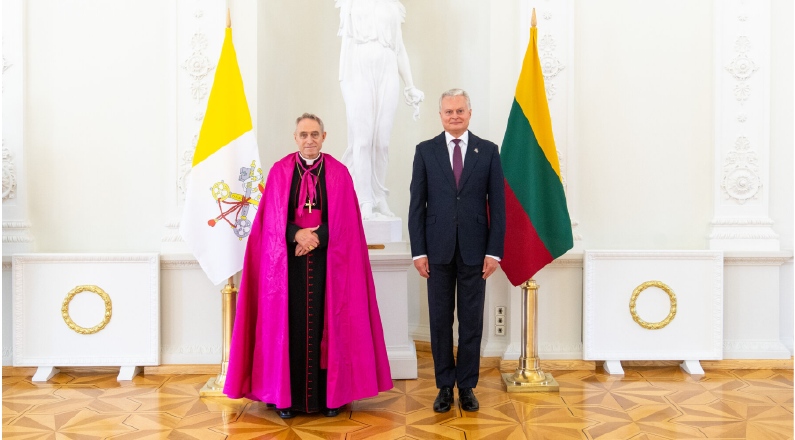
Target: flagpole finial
229, 18
533, 21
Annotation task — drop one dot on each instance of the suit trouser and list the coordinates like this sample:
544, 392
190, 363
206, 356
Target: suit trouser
442, 295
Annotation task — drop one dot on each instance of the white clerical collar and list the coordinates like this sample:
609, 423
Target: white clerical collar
464, 137
309, 162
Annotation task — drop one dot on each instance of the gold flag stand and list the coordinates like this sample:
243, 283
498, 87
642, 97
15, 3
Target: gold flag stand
528, 377
215, 386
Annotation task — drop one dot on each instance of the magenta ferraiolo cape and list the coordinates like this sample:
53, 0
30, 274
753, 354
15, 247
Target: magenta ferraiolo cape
259, 359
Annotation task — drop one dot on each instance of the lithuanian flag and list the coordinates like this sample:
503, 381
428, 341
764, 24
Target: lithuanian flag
225, 184
538, 228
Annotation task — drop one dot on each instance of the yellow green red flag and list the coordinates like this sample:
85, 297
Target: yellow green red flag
538, 227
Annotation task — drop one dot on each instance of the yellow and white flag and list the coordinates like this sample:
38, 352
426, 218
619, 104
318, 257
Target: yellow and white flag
226, 178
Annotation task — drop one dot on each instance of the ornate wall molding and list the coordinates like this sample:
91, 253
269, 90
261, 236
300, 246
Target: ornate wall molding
742, 221
742, 228
192, 349
179, 265
566, 262
16, 232
741, 180
559, 347
9, 174
753, 345
755, 261
86, 258
199, 50
744, 235
173, 234
551, 66
742, 127
15, 239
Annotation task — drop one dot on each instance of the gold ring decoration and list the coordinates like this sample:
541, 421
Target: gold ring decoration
68, 319
634, 312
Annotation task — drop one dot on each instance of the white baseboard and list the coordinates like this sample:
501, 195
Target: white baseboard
789, 344
755, 349
191, 354
403, 361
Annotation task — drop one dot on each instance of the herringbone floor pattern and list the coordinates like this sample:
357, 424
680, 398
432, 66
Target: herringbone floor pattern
645, 404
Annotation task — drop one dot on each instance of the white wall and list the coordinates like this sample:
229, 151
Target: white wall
95, 123
644, 123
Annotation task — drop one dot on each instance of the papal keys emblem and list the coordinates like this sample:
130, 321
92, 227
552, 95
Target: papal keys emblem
230, 203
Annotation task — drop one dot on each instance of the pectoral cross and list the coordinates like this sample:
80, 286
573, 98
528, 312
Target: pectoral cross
309, 205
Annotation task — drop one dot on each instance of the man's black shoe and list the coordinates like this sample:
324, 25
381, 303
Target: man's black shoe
270, 405
467, 399
331, 412
443, 400
285, 413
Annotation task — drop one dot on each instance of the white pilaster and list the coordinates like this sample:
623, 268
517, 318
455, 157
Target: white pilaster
742, 128
16, 228
556, 52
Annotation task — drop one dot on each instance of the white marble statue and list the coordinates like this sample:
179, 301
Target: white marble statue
371, 59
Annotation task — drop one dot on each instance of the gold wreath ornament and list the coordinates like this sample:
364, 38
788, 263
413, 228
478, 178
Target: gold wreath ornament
634, 312
68, 319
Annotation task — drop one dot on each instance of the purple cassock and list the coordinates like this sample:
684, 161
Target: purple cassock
353, 351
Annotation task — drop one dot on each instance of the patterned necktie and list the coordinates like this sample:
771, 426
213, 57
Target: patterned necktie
458, 161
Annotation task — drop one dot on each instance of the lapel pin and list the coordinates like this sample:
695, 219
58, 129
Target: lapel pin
476, 150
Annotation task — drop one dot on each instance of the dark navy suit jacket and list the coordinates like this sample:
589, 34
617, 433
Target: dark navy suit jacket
438, 211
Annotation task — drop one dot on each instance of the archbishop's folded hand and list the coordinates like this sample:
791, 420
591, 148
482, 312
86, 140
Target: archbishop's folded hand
306, 237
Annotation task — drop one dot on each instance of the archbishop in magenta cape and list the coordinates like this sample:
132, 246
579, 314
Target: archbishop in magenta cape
353, 340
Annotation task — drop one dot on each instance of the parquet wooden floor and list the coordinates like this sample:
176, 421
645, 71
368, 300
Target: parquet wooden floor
645, 404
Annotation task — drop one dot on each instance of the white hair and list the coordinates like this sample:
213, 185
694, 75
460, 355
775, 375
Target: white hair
455, 92
312, 117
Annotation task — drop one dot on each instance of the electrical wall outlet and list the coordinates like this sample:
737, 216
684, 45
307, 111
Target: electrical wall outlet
500, 320
500, 310
500, 330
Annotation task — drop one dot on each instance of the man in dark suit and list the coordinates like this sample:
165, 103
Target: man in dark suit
457, 229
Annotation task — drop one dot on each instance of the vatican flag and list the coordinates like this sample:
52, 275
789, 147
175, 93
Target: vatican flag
226, 177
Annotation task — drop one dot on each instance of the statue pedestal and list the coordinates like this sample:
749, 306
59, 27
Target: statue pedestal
390, 267
382, 230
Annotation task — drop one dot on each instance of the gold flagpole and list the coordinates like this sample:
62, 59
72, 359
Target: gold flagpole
528, 377
215, 386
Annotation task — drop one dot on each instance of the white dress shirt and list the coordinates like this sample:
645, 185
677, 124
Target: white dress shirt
450, 149
451, 145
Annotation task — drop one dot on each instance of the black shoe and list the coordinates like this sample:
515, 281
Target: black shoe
285, 413
467, 399
331, 412
270, 405
443, 400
